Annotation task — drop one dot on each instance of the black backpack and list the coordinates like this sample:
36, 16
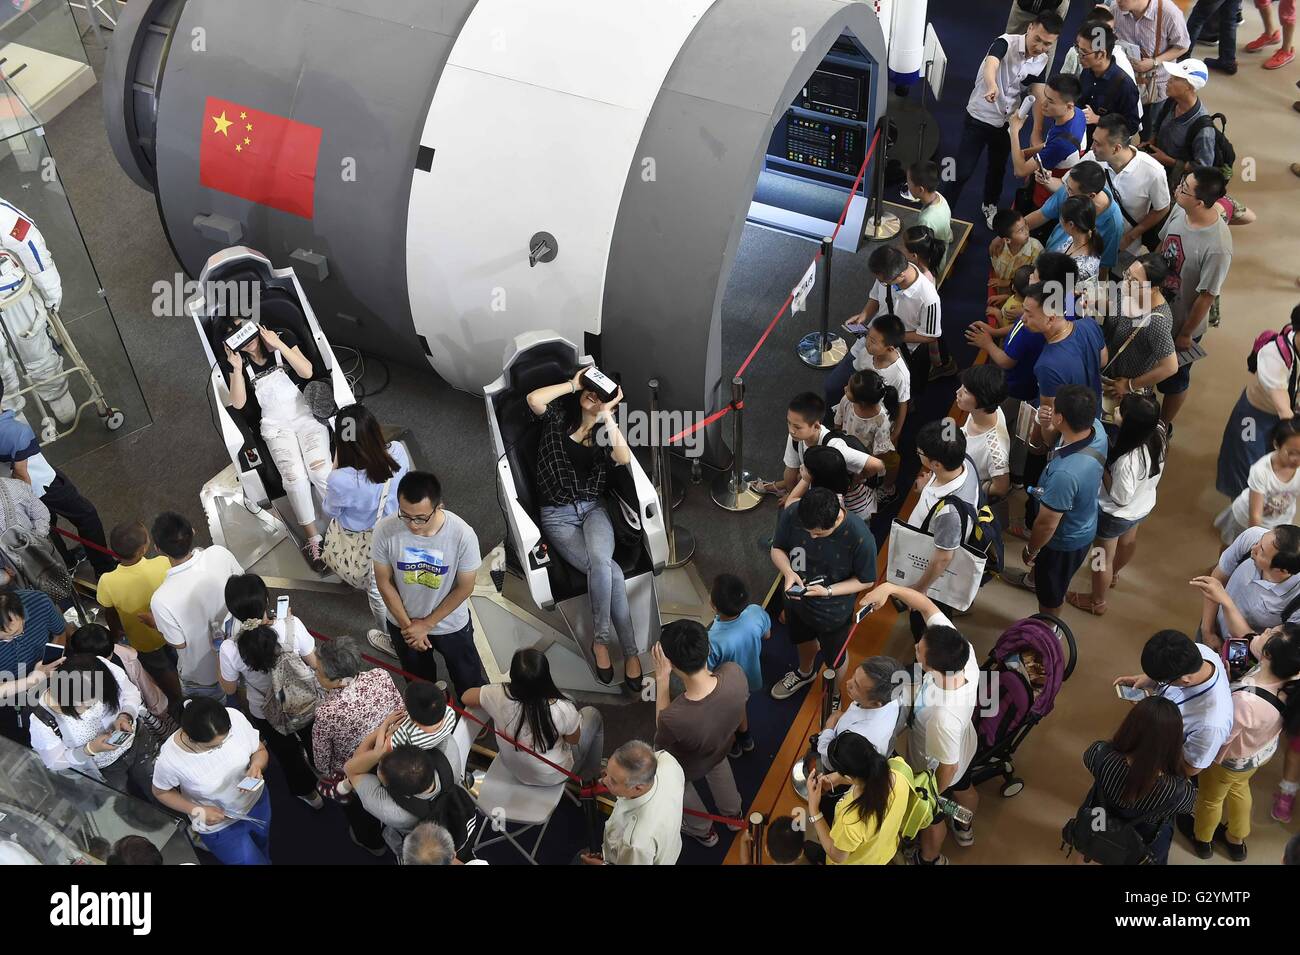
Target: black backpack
453, 808
1103, 836
1225, 156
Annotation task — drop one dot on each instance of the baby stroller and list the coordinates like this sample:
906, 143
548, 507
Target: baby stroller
1025, 670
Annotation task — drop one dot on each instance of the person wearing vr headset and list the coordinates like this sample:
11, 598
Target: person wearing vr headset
299, 444
580, 443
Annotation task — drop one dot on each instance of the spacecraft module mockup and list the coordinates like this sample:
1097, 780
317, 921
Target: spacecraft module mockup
446, 174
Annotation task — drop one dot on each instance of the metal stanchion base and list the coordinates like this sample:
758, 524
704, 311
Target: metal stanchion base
681, 548
821, 351
729, 497
886, 227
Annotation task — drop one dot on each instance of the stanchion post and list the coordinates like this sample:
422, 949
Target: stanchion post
681, 542
592, 812
756, 827
828, 694
731, 490
657, 461
823, 348
881, 224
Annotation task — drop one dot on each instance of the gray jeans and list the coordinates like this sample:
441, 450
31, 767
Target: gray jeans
591, 744
722, 784
584, 537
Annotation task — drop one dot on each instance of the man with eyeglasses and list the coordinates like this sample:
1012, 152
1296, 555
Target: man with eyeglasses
28, 621
426, 559
1106, 88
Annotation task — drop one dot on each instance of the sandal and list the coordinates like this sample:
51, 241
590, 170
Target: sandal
760, 486
1085, 602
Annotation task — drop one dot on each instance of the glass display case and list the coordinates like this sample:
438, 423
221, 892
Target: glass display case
65, 367
55, 819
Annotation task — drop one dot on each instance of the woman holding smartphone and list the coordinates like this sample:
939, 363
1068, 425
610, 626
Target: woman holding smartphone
211, 770
254, 641
85, 721
580, 444
276, 370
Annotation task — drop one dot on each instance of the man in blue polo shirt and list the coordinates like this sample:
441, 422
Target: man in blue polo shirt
28, 621
1067, 498
1065, 140
1088, 178
1074, 352
21, 452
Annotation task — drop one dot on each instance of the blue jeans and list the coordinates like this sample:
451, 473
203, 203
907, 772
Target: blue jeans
244, 843
1227, 11
584, 537
975, 138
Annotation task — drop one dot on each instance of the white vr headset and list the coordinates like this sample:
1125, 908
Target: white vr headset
242, 336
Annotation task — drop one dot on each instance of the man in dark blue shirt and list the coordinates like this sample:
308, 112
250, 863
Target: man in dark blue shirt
1105, 87
28, 621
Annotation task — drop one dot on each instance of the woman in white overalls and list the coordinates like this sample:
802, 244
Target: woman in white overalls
299, 444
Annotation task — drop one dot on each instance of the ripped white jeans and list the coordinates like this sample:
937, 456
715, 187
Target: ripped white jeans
300, 449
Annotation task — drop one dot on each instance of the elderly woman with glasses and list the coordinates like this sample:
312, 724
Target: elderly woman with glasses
426, 559
356, 702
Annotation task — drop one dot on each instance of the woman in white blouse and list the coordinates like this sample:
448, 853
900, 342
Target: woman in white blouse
1128, 495
85, 721
211, 770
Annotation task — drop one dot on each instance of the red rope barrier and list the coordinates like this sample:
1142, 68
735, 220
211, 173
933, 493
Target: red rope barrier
839, 224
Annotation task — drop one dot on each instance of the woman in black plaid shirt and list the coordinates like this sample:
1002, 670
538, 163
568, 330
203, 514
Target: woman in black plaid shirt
580, 443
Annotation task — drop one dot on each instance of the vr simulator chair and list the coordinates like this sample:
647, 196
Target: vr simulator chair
283, 306
537, 579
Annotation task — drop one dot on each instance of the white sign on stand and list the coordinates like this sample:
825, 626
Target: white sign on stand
800, 291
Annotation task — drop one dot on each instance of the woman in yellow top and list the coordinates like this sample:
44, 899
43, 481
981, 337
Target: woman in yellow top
869, 816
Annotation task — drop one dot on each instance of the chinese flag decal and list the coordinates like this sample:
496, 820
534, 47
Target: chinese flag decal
261, 157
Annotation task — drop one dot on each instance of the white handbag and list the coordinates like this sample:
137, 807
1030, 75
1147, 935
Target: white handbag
910, 549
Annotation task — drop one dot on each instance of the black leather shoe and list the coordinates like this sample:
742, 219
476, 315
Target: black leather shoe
605, 675
634, 684
1236, 850
1187, 826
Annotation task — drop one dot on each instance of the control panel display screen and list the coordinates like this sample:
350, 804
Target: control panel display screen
835, 92
826, 145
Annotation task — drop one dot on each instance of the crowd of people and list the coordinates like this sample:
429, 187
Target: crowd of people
1104, 279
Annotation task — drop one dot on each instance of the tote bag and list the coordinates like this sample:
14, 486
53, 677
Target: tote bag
910, 549
347, 553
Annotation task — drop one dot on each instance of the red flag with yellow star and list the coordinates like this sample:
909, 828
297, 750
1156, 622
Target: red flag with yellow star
259, 156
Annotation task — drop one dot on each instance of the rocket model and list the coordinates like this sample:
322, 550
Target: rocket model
444, 175
903, 22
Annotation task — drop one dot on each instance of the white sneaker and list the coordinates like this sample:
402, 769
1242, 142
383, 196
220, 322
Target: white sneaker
962, 835
791, 683
381, 642
989, 210
313, 800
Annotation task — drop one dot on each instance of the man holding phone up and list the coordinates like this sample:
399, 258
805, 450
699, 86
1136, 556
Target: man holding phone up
826, 557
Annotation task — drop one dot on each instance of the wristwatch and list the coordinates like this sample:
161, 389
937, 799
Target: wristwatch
813, 820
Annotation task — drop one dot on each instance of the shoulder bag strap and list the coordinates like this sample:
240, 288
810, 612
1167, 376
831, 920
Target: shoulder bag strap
1131, 335
1115, 189
1095, 455
7, 503
1265, 695
383, 499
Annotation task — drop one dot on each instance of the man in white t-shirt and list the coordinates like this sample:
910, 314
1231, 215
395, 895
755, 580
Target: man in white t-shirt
190, 606
875, 712
1014, 65
941, 732
900, 289
1136, 179
945, 473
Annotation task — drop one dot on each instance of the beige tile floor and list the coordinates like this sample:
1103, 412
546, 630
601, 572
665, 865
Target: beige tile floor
1177, 541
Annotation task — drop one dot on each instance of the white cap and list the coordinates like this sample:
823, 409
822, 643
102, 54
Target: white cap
1193, 71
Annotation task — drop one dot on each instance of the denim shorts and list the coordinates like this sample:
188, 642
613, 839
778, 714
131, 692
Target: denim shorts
1110, 527
1180, 380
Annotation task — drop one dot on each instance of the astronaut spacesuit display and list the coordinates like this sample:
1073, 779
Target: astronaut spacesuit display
30, 288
